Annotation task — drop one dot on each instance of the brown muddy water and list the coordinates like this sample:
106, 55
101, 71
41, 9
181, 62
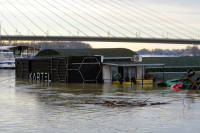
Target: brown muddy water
43, 107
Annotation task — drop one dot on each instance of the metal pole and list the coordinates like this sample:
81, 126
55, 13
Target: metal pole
163, 73
142, 74
10, 42
0, 28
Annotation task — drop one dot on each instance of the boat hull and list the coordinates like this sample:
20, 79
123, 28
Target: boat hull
7, 65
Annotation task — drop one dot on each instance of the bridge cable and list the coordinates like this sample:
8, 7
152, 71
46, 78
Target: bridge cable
97, 19
110, 20
4, 31
47, 16
146, 16
17, 18
118, 13
27, 18
61, 18
58, 17
82, 16
164, 20
73, 18
113, 17
184, 25
9, 22
79, 16
39, 18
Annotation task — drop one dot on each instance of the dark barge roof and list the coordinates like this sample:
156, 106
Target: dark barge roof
130, 64
174, 61
106, 52
168, 62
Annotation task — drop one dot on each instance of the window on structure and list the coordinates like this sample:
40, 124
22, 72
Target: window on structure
114, 70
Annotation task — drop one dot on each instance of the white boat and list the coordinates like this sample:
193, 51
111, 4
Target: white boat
8, 54
7, 60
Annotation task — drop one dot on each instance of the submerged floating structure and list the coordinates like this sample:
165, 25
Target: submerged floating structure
84, 66
110, 65
67, 69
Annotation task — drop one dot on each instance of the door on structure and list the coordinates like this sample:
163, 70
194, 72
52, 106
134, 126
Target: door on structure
126, 74
129, 74
121, 71
132, 74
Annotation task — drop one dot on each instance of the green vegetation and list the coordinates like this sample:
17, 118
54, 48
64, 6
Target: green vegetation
194, 51
117, 76
52, 45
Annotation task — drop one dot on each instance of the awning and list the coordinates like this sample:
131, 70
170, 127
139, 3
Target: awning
130, 64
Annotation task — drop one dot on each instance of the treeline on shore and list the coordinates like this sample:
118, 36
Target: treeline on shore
52, 45
188, 51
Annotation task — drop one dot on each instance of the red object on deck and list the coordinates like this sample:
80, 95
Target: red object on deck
176, 86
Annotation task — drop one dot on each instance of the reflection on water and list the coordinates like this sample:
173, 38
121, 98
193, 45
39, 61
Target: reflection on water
54, 107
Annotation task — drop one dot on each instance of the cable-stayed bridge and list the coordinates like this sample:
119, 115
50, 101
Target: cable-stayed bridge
90, 20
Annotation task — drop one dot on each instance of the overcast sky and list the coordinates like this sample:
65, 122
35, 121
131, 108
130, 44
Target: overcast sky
119, 18
185, 11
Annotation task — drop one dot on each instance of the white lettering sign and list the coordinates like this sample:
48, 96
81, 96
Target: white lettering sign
40, 76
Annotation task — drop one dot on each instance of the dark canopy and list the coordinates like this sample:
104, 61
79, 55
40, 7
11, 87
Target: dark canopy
107, 52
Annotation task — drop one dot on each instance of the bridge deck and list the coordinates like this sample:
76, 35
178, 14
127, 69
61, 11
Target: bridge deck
100, 39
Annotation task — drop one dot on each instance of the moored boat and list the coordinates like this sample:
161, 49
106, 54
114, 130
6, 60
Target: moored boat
7, 60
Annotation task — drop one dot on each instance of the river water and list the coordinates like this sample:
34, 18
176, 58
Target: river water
43, 107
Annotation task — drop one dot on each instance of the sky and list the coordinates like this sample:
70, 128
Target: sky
107, 18
185, 11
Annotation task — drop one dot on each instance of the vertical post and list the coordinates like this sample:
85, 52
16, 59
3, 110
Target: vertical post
0, 30
163, 73
51, 71
142, 74
34, 51
10, 42
108, 34
47, 31
0, 27
67, 69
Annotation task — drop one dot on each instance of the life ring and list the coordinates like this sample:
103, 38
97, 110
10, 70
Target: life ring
190, 72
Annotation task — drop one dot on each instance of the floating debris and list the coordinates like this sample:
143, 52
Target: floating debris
115, 103
128, 104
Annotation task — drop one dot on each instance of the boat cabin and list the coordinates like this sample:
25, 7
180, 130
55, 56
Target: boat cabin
24, 51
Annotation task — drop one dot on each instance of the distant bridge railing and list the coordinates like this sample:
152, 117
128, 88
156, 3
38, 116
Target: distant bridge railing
99, 39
